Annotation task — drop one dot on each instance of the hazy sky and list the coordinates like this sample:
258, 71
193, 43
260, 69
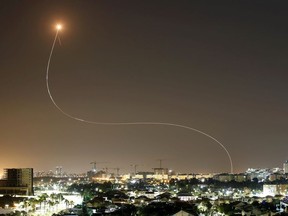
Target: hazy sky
217, 66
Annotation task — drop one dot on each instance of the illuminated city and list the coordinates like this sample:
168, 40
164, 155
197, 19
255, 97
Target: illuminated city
106, 191
144, 108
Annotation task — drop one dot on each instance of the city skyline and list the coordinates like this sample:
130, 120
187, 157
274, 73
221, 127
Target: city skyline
219, 67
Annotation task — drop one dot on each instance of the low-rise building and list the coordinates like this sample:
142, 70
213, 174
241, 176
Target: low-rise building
275, 189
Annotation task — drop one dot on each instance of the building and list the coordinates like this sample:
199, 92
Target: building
240, 177
223, 177
184, 196
276, 176
260, 174
275, 189
160, 171
17, 181
285, 167
58, 171
183, 213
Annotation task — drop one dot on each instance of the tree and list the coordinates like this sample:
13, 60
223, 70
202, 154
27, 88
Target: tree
43, 199
204, 206
50, 204
71, 203
66, 203
225, 208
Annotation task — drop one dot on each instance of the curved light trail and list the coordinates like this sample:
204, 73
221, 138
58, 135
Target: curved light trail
58, 28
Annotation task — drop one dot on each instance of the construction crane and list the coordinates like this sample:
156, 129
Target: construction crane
160, 162
160, 169
135, 167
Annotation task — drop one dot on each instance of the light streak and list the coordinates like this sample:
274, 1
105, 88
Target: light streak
58, 28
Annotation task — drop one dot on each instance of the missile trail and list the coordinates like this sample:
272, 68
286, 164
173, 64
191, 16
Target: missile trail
58, 27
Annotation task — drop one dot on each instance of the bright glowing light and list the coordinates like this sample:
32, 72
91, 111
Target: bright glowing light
58, 26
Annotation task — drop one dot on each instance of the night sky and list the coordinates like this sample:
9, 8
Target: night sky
217, 66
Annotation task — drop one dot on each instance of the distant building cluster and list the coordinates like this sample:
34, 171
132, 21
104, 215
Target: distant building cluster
57, 173
161, 173
20, 180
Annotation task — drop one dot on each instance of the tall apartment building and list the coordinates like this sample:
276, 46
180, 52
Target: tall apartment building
17, 181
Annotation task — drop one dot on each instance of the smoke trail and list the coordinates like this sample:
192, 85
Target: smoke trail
126, 123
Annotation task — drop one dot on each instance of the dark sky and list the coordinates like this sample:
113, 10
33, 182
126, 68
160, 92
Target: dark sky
218, 66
